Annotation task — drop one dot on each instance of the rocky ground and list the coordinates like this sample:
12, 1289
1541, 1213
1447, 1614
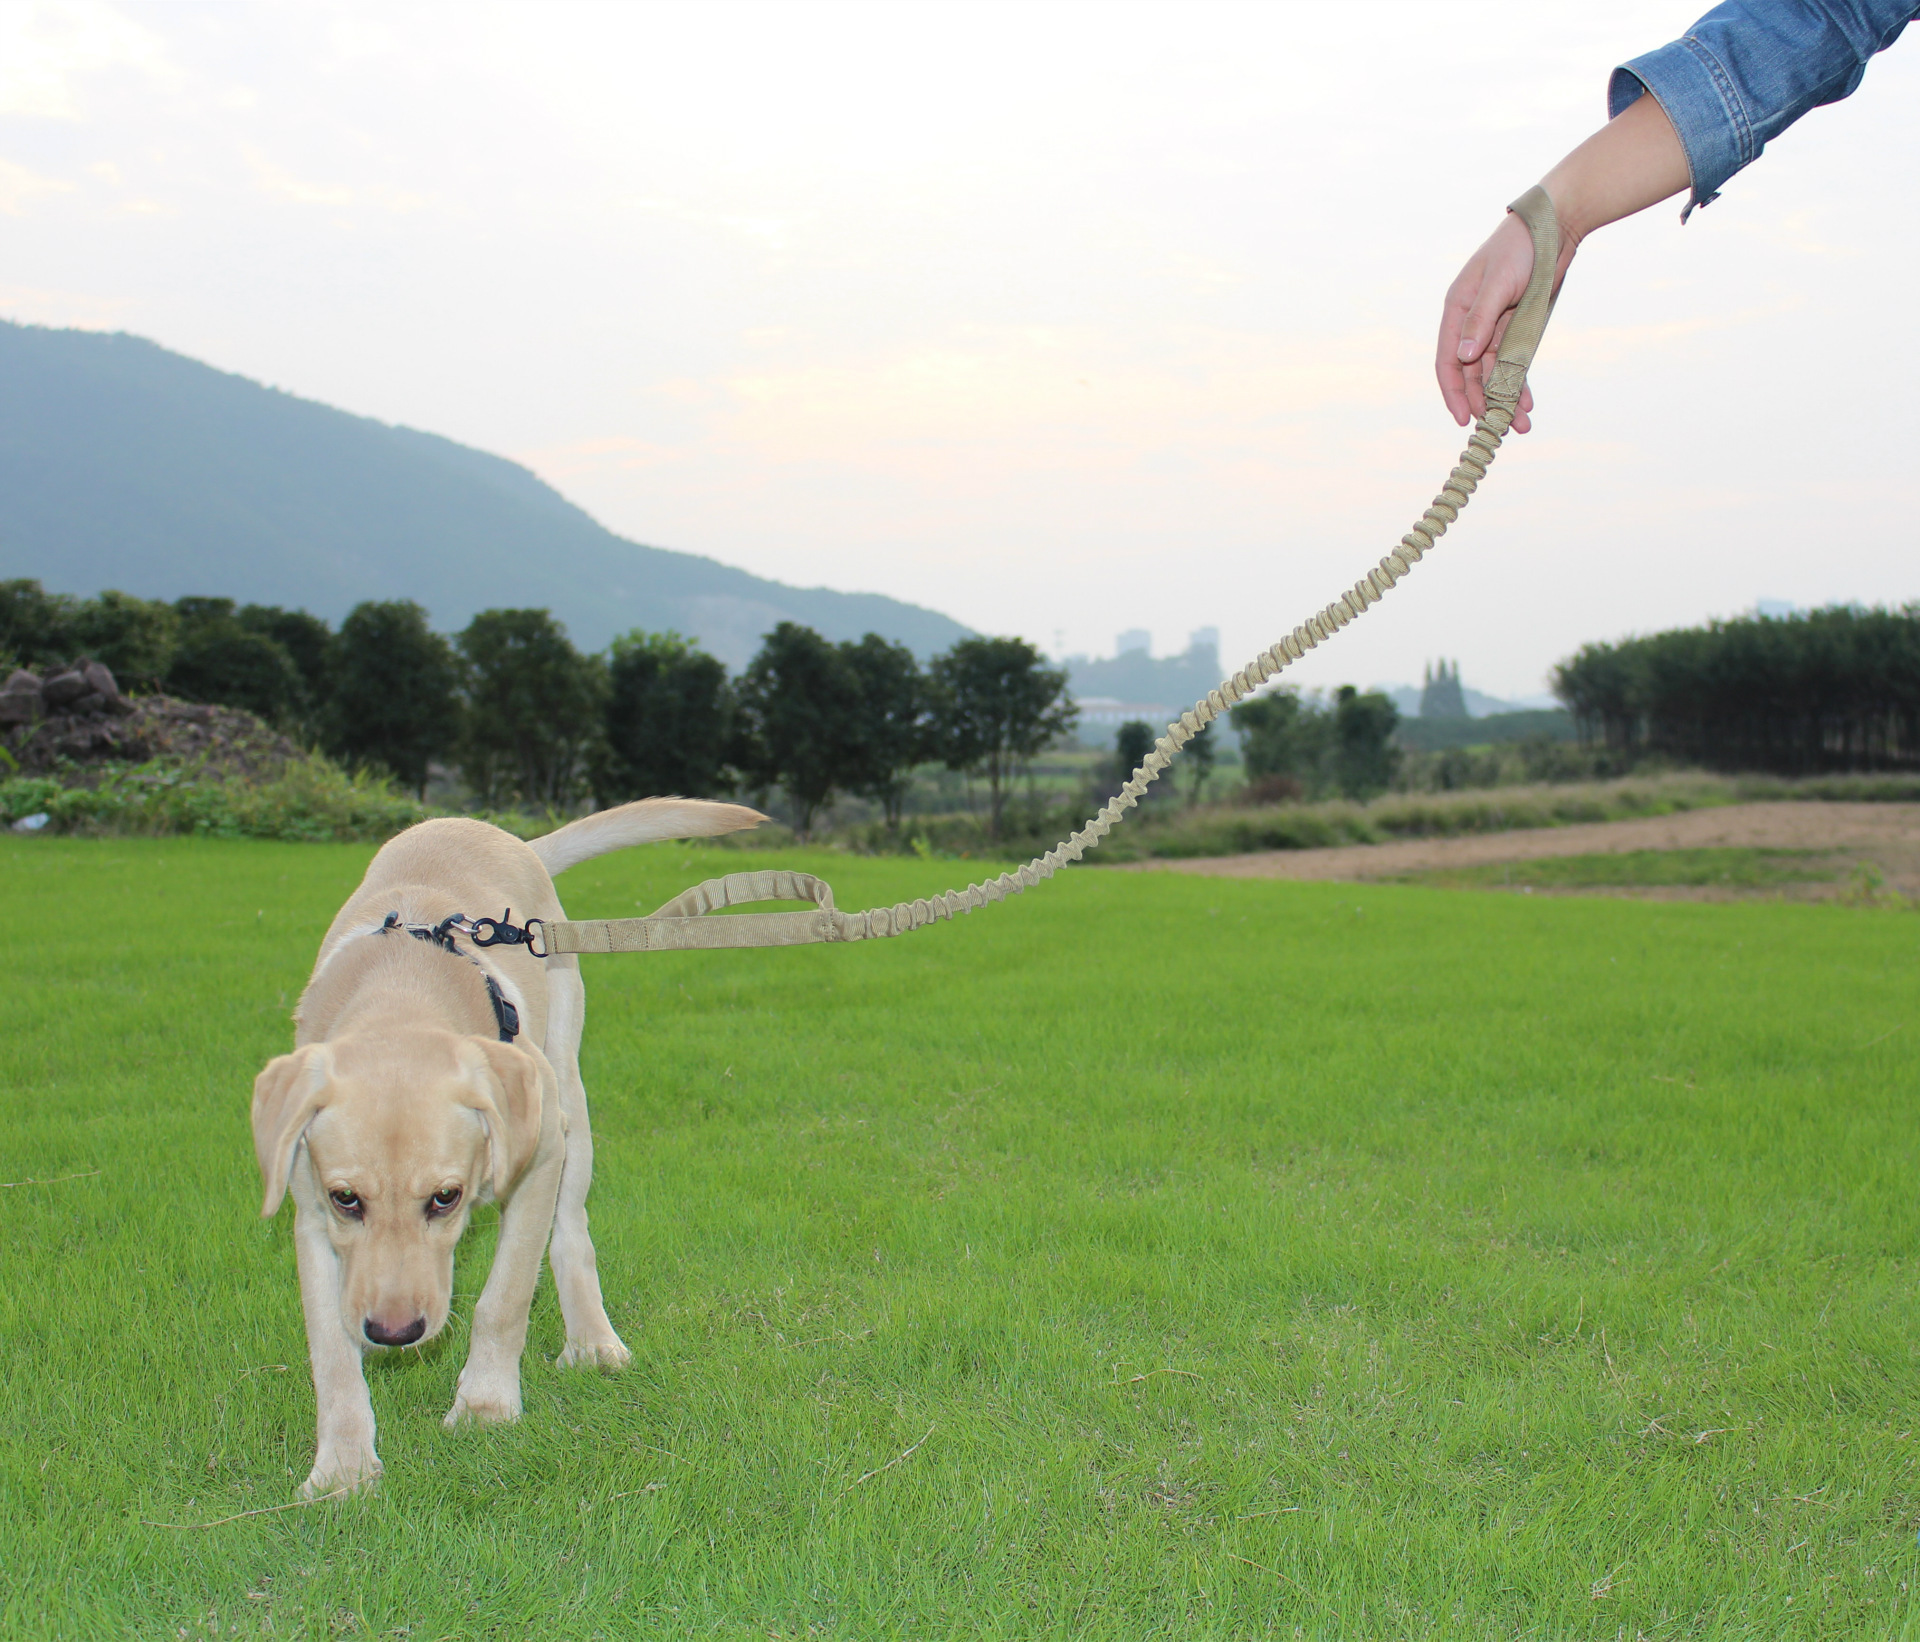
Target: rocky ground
76, 721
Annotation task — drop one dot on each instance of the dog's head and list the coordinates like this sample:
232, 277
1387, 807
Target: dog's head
401, 1134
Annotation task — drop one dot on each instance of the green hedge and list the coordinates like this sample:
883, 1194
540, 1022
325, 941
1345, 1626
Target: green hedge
312, 800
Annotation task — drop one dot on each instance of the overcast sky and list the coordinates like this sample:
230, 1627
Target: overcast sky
1061, 319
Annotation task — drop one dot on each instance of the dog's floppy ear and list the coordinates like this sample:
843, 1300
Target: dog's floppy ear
509, 1090
285, 1097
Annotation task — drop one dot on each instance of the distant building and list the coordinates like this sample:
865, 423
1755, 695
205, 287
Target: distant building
1134, 683
1100, 716
1440, 695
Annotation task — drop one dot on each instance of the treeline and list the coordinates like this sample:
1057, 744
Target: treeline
528, 718
1830, 690
1303, 746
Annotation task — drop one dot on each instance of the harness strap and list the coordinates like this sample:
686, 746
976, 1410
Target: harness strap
506, 1018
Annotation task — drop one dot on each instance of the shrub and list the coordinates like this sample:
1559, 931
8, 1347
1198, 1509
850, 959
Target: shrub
310, 800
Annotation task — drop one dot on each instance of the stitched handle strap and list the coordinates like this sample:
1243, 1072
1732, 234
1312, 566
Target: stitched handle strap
1530, 315
684, 923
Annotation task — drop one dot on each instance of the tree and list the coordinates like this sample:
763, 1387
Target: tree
1200, 755
308, 640
1348, 747
135, 638
668, 720
1831, 689
891, 733
1131, 743
36, 627
1364, 756
532, 708
995, 704
217, 660
395, 701
1282, 736
799, 725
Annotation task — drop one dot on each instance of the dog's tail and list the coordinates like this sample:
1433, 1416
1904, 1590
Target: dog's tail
645, 822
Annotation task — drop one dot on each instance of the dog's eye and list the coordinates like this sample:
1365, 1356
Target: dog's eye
442, 1201
346, 1201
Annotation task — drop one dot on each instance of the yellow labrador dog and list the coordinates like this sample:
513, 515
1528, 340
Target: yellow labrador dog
428, 1075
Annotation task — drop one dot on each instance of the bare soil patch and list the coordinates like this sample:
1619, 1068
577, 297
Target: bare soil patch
1883, 836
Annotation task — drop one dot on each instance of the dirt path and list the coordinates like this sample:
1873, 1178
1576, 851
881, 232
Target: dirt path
1888, 835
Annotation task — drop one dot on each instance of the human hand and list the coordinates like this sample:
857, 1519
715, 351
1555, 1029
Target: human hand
1631, 162
1474, 318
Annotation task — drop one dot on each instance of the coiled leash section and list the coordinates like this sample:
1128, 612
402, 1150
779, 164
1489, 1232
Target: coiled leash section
683, 923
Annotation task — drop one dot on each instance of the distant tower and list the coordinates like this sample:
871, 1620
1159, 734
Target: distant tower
1203, 645
1134, 638
1440, 694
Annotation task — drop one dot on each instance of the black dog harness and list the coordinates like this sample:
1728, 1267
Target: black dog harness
441, 935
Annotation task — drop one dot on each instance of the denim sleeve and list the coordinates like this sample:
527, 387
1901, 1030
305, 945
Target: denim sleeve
1750, 68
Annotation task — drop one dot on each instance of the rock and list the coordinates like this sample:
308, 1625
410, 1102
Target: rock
100, 677
19, 706
21, 679
91, 731
62, 688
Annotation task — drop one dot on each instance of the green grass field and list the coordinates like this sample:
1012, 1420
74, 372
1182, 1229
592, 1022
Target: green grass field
1153, 1256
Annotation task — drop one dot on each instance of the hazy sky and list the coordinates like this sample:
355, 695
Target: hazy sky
1061, 319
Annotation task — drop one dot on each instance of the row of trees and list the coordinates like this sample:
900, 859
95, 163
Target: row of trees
1834, 689
526, 716
1314, 747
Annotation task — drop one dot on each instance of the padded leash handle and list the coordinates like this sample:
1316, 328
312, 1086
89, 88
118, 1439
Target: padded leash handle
684, 923
1535, 308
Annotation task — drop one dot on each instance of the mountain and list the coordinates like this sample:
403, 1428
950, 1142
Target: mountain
124, 465
1479, 705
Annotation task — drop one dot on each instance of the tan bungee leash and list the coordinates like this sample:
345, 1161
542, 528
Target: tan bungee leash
683, 925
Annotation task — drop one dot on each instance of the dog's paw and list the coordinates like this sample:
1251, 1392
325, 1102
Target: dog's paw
340, 1475
483, 1408
607, 1355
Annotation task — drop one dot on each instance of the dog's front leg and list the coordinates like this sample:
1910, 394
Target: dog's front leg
489, 1389
344, 1457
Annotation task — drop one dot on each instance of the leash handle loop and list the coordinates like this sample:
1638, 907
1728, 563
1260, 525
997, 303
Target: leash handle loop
1522, 337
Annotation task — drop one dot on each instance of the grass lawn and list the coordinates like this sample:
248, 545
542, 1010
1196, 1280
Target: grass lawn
1154, 1255
1734, 869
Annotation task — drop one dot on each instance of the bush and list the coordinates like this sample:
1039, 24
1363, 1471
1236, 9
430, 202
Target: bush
310, 800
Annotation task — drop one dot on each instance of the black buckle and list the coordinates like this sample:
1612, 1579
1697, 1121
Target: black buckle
502, 931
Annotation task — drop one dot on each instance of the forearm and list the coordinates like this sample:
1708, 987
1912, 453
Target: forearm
1633, 161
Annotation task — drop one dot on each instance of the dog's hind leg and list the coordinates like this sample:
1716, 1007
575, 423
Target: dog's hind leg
344, 1458
591, 1341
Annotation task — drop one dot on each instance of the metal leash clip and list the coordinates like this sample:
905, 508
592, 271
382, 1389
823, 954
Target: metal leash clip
502, 931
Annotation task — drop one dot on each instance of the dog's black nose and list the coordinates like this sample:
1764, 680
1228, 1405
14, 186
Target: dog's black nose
381, 1335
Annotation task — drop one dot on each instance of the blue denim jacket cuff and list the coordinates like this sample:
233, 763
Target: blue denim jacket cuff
1696, 95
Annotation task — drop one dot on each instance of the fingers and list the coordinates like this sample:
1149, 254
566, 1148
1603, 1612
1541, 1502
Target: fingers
1482, 367
1446, 359
1474, 317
